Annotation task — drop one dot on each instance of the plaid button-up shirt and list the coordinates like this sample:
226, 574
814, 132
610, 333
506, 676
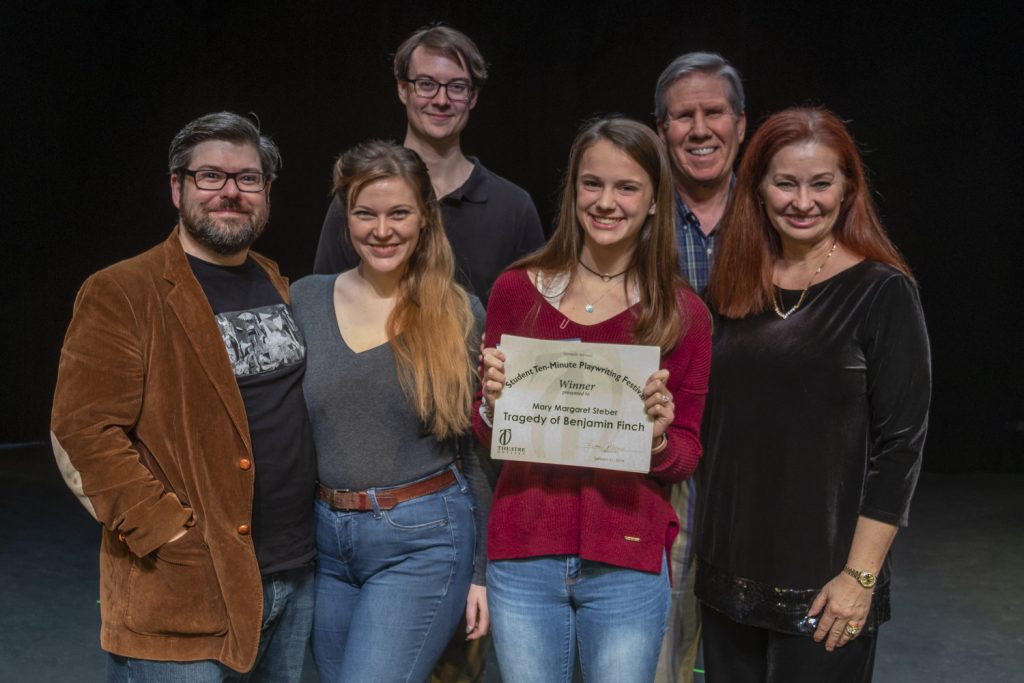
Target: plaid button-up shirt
696, 250
696, 257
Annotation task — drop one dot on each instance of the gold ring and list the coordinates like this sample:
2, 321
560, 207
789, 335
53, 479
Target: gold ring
852, 629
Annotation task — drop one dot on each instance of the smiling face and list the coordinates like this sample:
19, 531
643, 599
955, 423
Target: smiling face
701, 131
614, 197
436, 118
222, 222
803, 192
384, 221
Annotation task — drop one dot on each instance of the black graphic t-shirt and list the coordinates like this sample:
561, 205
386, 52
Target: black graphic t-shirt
268, 356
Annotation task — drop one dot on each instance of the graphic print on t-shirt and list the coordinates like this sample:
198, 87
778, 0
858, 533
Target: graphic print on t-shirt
261, 340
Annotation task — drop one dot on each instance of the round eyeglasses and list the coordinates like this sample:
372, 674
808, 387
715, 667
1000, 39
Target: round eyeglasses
210, 179
457, 91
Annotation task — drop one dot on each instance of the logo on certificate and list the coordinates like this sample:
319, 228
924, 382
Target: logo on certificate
505, 436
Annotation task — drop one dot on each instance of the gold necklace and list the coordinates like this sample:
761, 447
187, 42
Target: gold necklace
778, 293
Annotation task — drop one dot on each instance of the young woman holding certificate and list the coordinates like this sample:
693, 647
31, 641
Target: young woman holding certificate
577, 555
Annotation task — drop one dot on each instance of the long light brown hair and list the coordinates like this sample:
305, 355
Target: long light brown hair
655, 265
431, 327
742, 279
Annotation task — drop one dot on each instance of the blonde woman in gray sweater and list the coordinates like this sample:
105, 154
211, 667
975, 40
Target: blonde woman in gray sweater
389, 384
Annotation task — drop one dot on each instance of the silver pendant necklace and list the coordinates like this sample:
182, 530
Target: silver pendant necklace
589, 307
605, 277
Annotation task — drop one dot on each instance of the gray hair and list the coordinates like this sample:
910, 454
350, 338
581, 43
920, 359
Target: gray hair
228, 126
709, 63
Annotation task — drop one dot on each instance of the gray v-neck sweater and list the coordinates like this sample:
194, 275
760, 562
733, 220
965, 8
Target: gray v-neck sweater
367, 433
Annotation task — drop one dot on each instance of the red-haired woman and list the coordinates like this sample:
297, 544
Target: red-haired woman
817, 414
389, 384
577, 556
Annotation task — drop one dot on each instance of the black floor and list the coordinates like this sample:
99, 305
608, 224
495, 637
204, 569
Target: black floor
958, 598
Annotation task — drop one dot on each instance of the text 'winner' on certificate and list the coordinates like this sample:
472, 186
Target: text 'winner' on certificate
575, 403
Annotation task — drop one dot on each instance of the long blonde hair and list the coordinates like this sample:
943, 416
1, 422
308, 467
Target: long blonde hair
431, 328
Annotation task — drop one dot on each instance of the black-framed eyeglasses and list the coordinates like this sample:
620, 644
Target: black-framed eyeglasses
457, 91
210, 179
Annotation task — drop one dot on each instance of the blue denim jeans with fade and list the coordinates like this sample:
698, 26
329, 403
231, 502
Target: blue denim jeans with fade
287, 619
542, 607
391, 585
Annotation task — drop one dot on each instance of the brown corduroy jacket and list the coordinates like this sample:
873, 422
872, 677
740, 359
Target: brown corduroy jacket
150, 431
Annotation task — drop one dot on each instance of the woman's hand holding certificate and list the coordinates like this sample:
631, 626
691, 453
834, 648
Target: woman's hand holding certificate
572, 403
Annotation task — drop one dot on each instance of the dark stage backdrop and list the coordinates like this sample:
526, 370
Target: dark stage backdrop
93, 92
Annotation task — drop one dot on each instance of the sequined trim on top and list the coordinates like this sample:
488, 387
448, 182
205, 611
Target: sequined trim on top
753, 603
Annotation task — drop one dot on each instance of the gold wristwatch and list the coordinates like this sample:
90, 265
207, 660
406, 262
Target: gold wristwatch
866, 579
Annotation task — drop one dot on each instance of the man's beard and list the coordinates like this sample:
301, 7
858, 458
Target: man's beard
222, 239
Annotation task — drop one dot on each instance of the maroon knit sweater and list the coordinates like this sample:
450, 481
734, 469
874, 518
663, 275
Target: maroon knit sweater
619, 518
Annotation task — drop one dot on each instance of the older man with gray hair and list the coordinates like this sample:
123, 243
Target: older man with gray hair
699, 109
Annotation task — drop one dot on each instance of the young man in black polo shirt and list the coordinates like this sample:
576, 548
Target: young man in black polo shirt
490, 221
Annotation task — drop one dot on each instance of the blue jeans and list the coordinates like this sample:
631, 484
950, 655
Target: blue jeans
541, 607
287, 619
391, 585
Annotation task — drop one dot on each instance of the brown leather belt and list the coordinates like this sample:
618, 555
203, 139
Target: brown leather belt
342, 501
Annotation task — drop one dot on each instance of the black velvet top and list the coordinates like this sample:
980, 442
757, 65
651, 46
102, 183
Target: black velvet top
810, 422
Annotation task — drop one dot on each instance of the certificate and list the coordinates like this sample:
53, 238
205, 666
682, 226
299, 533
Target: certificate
575, 403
